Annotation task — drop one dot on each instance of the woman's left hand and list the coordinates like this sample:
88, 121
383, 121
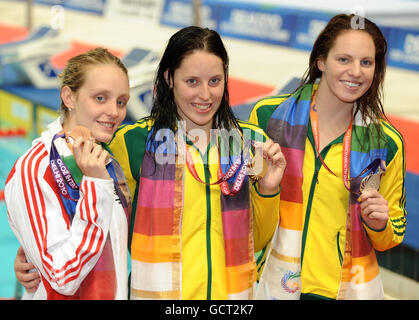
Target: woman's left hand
374, 209
275, 162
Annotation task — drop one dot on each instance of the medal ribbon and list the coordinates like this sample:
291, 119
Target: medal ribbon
346, 149
222, 178
60, 171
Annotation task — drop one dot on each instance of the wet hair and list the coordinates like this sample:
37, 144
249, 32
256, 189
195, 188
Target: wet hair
74, 73
370, 104
182, 44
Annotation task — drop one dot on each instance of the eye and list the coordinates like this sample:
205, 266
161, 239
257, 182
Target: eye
192, 82
100, 99
367, 63
214, 82
121, 102
343, 60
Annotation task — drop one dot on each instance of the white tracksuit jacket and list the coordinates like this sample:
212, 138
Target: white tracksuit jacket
63, 253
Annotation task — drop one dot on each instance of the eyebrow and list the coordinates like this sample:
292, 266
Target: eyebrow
349, 55
100, 90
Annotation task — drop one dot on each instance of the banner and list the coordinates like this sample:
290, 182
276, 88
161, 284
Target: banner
403, 48
179, 13
92, 6
141, 10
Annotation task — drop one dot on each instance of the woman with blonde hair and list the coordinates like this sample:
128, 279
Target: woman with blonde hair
67, 199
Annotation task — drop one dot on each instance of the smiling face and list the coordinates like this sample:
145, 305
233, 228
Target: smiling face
348, 70
100, 103
198, 88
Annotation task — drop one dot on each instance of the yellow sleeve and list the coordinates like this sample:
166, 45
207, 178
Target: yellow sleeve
392, 188
265, 216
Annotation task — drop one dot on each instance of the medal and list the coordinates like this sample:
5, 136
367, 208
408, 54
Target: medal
258, 167
371, 181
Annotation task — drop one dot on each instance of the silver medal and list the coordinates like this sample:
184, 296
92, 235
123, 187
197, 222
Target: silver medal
371, 181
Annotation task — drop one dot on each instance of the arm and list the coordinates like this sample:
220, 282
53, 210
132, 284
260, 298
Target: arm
265, 216
383, 212
63, 252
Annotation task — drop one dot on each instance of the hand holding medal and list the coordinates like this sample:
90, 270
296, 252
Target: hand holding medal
90, 157
374, 208
268, 166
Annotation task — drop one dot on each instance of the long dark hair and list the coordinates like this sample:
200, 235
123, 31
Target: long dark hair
370, 104
181, 44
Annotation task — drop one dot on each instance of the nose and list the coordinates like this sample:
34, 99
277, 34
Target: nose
355, 69
112, 109
205, 92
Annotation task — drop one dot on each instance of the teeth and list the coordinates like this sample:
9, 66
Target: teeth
201, 106
351, 84
106, 124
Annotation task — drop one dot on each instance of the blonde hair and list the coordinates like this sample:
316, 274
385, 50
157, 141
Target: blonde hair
74, 73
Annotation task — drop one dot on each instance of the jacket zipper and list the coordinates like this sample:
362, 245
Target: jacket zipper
208, 225
339, 251
314, 182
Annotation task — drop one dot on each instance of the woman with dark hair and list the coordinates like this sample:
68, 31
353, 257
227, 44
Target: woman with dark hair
337, 206
197, 218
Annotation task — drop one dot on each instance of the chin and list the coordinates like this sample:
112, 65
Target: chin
105, 138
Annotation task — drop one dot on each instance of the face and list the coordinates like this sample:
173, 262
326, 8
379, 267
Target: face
100, 104
198, 88
348, 70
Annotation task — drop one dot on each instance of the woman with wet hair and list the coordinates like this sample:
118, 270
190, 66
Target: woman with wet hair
198, 218
343, 191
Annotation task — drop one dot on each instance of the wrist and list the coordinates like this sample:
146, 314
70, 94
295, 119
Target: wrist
267, 192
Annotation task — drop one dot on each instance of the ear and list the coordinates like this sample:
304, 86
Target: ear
169, 81
321, 64
67, 97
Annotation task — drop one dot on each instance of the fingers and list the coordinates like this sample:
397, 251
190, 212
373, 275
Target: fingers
272, 152
374, 209
91, 158
31, 286
29, 279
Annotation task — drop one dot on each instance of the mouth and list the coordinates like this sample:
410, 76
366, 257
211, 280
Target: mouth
351, 84
107, 124
202, 107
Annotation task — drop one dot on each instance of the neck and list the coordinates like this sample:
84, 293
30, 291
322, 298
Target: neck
334, 116
199, 135
68, 124
332, 111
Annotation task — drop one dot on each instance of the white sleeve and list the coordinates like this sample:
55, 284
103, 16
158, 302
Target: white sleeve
63, 252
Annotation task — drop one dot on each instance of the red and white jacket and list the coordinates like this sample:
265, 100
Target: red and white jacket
64, 253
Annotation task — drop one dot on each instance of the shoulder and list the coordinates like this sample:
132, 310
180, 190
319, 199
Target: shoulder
128, 136
129, 144
252, 130
139, 128
394, 139
263, 109
30, 166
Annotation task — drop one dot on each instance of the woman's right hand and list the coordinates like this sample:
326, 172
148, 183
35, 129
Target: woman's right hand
91, 158
28, 279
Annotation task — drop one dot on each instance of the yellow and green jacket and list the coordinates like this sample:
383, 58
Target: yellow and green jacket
203, 263
324, 209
